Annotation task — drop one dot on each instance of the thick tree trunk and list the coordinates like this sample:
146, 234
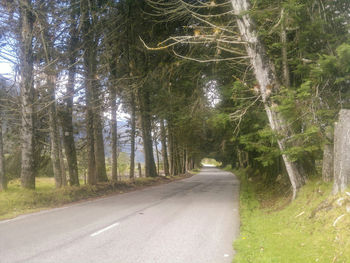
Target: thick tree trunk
90, 139
51, 78
27, 95
150, 167
132, 137
62, 164
90, 145
99, 144
164, 148
328, 157
3, 181
342, 152
54, 135
67, 116
95, 143
68, 133
266, 77
114, 134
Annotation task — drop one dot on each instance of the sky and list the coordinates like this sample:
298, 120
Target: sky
5, 69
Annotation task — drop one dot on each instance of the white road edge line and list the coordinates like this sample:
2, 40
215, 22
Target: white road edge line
104, 229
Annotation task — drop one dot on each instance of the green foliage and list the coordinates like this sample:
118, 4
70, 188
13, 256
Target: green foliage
335, 68
123, 162
263, 142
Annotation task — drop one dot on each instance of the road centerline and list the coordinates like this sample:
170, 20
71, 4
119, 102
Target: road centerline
104, 229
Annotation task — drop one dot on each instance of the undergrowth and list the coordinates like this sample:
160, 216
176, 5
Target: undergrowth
313, 228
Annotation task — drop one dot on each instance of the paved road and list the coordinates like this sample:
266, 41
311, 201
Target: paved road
187, 221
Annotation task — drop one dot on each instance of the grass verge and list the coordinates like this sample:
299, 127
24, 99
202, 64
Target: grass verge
313, 228
16, 200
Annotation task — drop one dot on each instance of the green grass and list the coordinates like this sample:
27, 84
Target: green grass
275, 231
16, 200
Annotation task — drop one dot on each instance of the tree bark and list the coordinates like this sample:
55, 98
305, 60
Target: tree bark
99, 143
27, 94
328, 157
54, 135
96, 163
62, 164
150, 167
51, 77
114, 134
171, 151
164, 148
89, 94
342, 152
132, 137
285, 67
67, 115
157, 153
90, 144
266, 77
184, 159
140, 170
3, 181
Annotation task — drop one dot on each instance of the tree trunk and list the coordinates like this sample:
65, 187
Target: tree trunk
67, 115
3, 181
95, 143
171, 151
184, 158
132, 137
328, 157
54, 135
99, 142
140, 170
164, 148
342, 152
150, 167
114, 142
157, 153
285, 67
51, 78
266, 77
62, 164
27, 95
90, 145
177, 158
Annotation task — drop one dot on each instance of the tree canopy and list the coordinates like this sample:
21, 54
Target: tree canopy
249, 83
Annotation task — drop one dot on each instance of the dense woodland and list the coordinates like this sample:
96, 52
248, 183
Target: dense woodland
254, 84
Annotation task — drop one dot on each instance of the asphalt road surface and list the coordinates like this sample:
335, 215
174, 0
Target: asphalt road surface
187, 221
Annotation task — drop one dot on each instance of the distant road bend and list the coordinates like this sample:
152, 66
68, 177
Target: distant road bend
189, 221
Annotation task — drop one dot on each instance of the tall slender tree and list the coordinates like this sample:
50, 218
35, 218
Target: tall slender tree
67, 112
268, 83
27, 19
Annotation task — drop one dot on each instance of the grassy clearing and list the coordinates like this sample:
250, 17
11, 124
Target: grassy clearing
16, 201
275, 231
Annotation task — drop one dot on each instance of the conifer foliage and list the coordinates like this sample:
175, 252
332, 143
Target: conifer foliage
253, 84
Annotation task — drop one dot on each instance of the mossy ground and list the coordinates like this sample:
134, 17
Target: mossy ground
16, 200
274, 230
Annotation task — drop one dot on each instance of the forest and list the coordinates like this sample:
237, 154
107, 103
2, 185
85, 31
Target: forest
256, 85
189, 77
